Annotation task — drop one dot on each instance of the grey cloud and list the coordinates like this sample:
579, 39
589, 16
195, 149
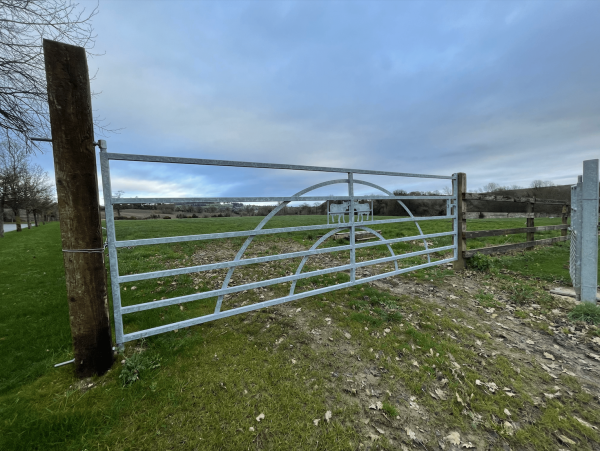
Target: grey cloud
505, 91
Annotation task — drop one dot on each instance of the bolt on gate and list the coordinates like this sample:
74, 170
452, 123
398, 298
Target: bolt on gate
583, 262
351, 201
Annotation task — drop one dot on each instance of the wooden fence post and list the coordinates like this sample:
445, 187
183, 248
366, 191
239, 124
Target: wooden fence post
461, 212
530, 223
70, 106
565, 216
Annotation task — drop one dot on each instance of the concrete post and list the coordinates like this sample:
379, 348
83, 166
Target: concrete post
589, 231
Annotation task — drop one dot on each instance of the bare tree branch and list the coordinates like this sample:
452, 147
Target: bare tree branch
23, 185
23, 26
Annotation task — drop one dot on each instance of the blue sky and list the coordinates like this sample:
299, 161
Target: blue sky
507, 92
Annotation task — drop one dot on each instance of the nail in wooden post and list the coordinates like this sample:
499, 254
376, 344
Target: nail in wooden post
72, 126
461, 211
530, 223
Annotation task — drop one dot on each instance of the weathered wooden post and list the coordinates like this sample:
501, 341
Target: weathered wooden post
70, 104
461, 221
565, 216
530, 223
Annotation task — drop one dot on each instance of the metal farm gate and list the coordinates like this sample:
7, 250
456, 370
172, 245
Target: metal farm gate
351, 202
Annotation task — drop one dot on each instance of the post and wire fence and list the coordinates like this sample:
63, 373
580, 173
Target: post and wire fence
355, 222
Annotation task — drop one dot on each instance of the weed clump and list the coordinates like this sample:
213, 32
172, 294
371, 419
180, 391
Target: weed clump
135, 365
586, 312
389, 409
375, 310
521, 294
483, 263
486, 299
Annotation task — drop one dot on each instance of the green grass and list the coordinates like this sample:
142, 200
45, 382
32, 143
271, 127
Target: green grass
586, 312
550, 263
34, 316
203, 387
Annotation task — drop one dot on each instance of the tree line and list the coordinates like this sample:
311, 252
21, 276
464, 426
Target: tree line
23, 186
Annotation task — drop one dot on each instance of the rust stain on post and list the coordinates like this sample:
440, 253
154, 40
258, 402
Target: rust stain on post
71, 120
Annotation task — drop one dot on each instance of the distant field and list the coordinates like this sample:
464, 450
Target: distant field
175, 227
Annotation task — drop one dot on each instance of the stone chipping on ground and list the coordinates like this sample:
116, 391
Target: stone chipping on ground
513, 337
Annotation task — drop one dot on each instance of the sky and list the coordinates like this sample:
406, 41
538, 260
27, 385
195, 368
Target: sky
507, 92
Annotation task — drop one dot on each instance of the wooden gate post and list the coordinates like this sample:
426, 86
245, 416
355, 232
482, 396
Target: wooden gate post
565, 216
70, 104
461, 212
530, 223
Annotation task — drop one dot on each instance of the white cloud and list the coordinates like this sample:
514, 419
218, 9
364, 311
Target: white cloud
183, 187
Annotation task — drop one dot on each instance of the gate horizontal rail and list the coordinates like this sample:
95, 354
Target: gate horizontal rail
265, 283
249, 308
270, 258
175, 200
249, 164
213, 236
350, 200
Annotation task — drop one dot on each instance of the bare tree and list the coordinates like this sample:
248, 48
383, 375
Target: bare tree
23, 185
541, 184
44, 202
23, 26
13, 167
5, 177
118, 207
492, 187
38, 192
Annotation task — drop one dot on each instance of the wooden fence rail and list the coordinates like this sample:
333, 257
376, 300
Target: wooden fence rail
535, 200
514, 246
500, 232
500, 215
528, 214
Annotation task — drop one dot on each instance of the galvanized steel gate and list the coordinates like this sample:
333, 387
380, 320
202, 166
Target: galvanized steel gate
113, 244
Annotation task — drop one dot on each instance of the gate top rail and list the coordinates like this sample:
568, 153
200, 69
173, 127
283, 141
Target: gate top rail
174, 200
249, 164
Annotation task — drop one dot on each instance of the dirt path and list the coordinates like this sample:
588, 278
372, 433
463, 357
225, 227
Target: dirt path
537, 342
544, 360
